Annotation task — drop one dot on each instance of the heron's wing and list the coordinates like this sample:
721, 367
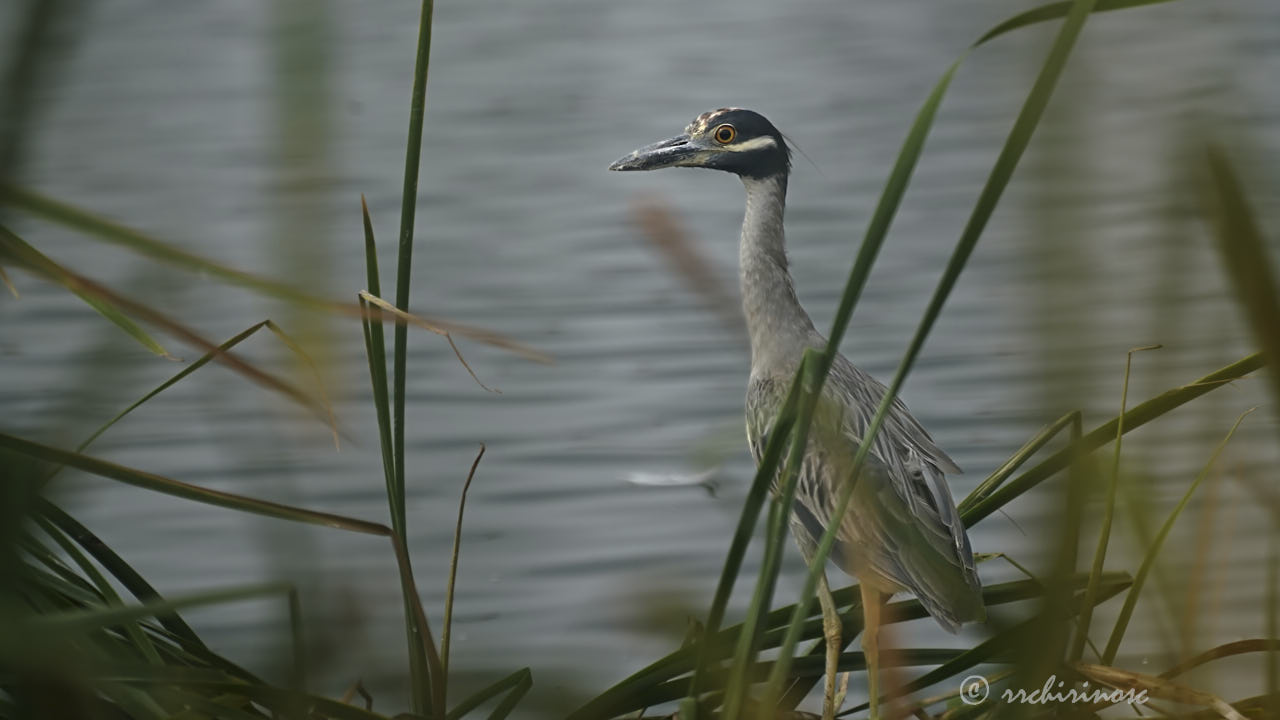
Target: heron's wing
903, 525
915, 466
862, 393
879, 539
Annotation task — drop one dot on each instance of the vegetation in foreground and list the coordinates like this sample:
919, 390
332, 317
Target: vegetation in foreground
73, 645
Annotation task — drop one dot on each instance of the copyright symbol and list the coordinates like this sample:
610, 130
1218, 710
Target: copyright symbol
974, 689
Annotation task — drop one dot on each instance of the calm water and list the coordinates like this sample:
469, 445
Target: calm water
197, 123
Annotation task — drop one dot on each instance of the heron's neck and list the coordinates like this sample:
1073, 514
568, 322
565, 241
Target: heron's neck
779, 328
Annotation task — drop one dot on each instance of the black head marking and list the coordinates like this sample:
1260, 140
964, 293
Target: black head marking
747, 155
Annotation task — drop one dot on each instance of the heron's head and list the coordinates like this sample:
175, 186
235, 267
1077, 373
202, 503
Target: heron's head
731, 139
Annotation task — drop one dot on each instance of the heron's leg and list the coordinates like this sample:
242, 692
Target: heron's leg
842, 691
871, 645
831, 629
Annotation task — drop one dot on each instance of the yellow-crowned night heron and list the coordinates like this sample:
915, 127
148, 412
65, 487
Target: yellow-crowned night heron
902, 531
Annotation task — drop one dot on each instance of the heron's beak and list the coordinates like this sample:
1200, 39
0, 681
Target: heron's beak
674, 152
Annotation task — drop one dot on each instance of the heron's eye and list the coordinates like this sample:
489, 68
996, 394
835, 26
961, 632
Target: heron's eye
724, 134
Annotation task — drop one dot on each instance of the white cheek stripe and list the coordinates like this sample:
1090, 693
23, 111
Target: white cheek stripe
756, 143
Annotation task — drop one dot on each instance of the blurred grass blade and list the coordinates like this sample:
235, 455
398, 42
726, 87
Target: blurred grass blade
280, 701
1245, 254
665, 233
1156, 687
1272, 681
1108, 516
632, 693
1003, 643
139, 242
1131, 600
82, 621
22, 253
999, 178
316, 376
504, 708
79, 283
204, 360
101, 228
13, 289
168, 486
119, 569
1105, 433
104, 588
1053, 11
488, 693
742, 534
1231, 649
775, 536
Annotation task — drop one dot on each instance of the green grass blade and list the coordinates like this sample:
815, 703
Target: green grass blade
137, 637
1012, 151
742, 534
1015, 461
1105, 433
775, 537
631, 694
22, 253
278, 700
78, 622
513, 698
376, 352
404, 271
1245, 255
1108, 515
408, 210
1003, 643
168, 486
446, 630
158, 483
141, 243
119, 569
1053, 11
1272, 680
10, 242
1148, 561
748, 646
191, 368
486, 694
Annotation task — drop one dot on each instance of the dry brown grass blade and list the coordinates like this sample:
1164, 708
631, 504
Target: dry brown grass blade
357, 688
4, 278
660, 227
79, 283
1240, 647
448, 329
315, 375
1156, 687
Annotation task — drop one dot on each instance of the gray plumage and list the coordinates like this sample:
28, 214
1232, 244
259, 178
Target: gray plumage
902, 530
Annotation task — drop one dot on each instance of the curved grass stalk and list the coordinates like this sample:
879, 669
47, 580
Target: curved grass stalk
1108, 515
1148, 560
446, 630
1140, 415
